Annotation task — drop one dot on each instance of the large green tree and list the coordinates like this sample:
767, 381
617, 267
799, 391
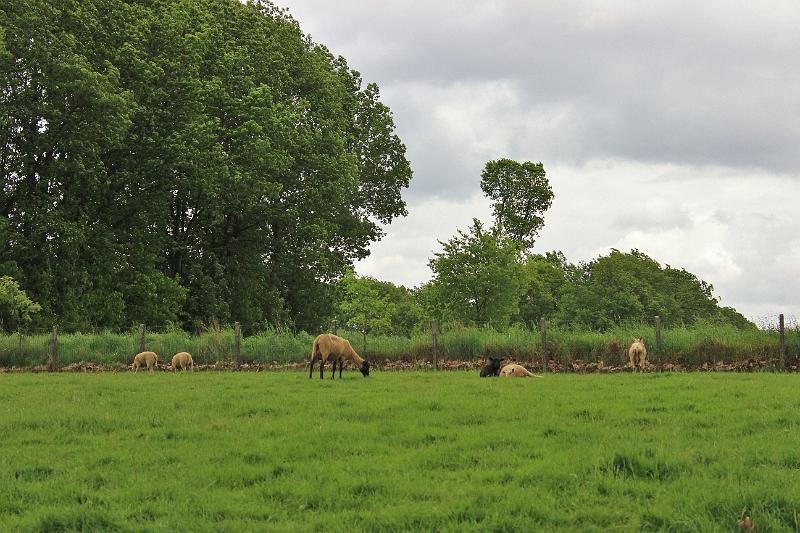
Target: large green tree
476, 278
187, 160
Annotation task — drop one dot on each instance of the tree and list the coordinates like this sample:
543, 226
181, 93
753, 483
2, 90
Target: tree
476, 278
363, 308
543, 278
16, 308
194, 161
633, 288
386, 309
520, 195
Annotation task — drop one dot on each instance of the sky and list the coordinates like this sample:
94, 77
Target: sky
669, 127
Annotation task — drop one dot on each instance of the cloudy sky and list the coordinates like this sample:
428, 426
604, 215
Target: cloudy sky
671, 127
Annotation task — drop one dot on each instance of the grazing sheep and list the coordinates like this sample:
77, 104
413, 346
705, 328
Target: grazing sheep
516, 371
330, 347
182, 360
638, 354
148, 359
492, 367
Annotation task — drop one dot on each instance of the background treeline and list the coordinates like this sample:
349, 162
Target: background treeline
184, 161
618, 289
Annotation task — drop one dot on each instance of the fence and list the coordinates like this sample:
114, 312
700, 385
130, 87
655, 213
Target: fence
544, 347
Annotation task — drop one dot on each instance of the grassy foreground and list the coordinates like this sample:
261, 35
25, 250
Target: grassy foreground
398, 451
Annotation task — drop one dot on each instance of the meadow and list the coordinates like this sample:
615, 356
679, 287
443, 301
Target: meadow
687, 347
445, 451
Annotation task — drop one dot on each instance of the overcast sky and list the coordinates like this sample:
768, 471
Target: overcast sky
671, 127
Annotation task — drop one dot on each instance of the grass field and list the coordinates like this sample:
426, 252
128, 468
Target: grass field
443, 451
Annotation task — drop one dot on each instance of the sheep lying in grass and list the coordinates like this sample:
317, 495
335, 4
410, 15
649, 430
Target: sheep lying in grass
330, 347
516, 371
148, 359
182, 360
638, 354
492, 367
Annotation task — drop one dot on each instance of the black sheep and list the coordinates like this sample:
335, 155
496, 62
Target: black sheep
492, 368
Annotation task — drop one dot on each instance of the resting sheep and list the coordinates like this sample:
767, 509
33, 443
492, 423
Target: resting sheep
492, 367
638, 354
148, 359
182, 360
330, 347
516, 371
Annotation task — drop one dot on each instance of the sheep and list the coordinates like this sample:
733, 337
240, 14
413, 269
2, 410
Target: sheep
516, 371
328, 346
148, 359
638, 354
182, 360
492, 367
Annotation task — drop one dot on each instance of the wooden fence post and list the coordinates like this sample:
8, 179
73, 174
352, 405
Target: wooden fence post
782, 359
237, 344
141, 338
333, 327
543, 332
434, 334
659, 353
54, 351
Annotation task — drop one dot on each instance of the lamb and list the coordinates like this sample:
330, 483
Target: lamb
516, 371
328, 346
182, 360
638, 354
148, 359
492, 367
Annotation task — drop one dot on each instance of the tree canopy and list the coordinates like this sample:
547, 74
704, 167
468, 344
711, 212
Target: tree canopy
185, 161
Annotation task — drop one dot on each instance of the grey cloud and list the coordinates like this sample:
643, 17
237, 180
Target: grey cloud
699, 83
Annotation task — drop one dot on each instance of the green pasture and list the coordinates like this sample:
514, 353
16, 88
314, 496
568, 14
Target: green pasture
398, 451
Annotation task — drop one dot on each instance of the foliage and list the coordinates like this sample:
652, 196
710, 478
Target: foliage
377, 307
16, 308
476, 278
520, 194
185, 161
616, 289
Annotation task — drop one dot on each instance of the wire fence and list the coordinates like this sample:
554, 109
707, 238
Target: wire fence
542, 346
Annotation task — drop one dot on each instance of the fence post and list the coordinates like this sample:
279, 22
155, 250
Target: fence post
333, 327
782, 360
543, 332
434, 334
659, 353
54, 351
141, 338
237, 345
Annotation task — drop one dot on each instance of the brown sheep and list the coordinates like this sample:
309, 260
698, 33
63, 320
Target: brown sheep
330, 347
638, 354
182, 360
516, 371
148, 359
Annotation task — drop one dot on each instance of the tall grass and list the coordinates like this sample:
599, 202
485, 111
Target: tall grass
690, 347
